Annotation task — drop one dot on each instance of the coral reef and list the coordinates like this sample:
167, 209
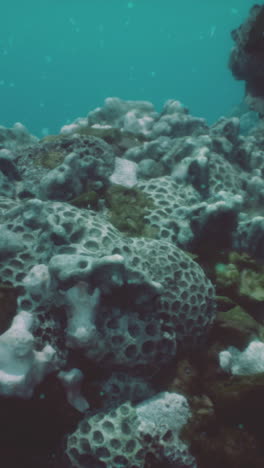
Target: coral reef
119, 237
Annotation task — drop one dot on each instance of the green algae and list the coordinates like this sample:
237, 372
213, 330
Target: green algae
252, 285
224, 303
110, 135
241, 279
235, 327
88, 199
49, 159
127, 210
227, 275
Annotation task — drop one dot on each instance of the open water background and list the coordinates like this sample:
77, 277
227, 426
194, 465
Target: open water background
59, 59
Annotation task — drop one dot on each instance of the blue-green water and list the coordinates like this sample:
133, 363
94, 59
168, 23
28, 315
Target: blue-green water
61, 58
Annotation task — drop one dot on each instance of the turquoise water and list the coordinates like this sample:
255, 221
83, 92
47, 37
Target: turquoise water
60, 59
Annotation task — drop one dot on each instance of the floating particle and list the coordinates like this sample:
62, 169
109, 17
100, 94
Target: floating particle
48, 59
45, 131
212, 31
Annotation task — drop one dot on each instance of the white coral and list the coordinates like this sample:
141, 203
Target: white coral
81, 310
71, 381
250, 361
21, 367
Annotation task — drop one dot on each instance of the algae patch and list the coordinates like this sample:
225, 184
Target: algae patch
127, 210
